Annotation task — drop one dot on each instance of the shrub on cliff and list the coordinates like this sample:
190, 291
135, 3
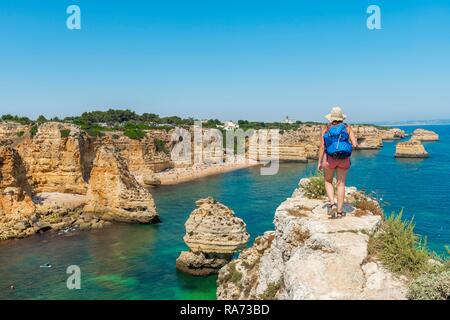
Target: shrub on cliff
33, 130
134, 133
399, 248
430, 286
64, 133
17, 119
315, 187
160, 146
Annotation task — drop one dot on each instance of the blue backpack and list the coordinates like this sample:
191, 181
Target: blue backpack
337, 144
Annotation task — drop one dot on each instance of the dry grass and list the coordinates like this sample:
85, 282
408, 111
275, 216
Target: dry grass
299, 211
365, 205
399, 248
300, 235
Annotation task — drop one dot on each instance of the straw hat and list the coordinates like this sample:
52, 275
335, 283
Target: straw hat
336, 115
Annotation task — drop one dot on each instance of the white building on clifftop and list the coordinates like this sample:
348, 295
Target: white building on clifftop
230, 125
288, 120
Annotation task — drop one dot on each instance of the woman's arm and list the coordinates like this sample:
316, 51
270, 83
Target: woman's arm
352, 136
321, 150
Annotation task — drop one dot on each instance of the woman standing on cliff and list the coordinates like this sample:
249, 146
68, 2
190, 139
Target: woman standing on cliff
336, 146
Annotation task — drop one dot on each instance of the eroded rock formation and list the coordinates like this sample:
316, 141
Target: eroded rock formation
213, 234
10, 132
368, 137
54, 159
16, 205
303, 144
144, 157
114, 194
410, 149
392, 134
425, 135
310, 256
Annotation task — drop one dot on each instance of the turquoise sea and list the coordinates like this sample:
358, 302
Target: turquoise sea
138, 261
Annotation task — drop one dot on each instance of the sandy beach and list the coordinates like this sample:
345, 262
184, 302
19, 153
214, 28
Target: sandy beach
181, 175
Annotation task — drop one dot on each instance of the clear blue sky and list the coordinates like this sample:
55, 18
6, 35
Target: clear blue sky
256, 60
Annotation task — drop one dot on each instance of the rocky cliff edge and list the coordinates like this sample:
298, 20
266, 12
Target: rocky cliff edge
310, 256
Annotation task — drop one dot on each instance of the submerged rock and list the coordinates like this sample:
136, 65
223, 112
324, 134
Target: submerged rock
310, 256
213, 235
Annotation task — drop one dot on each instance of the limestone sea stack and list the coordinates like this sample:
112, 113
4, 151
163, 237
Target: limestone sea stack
311, 257
114, 194
369, 138
425, 135
410, 149
213, 235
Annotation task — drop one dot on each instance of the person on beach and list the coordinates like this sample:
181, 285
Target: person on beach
336, 146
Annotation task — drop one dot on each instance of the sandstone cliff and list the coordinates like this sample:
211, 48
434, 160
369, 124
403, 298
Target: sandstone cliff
425, 135
368, 137
392, 134
114, 194
410, 149
144, 157
10, 132
310, 256
303, 144
54, 159
16, 205
213, 234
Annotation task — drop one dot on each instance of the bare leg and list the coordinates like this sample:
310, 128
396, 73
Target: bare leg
341, 175
328, 175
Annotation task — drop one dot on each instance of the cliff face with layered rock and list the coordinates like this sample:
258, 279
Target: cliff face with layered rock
310, 256
114, 194
213, 234
54, 158
425, 135
50, 181
11, 132
144, 153
16, 205
393, 134
368, 137
303, 144
411, 149
298, 145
